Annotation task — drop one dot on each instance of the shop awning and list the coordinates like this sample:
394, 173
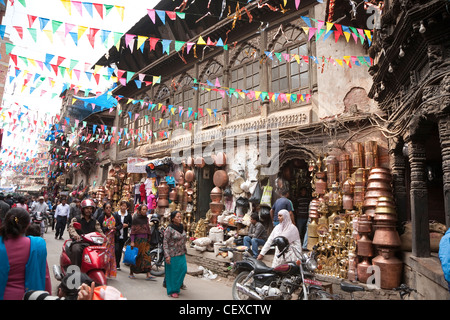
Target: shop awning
155, 162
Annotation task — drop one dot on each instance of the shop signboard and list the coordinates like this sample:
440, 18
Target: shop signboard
131, 165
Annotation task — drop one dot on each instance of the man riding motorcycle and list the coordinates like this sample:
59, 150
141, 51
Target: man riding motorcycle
88, 225
39, 208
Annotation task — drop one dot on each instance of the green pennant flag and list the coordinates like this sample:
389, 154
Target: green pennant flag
56, 25
179, 45
24, 59
73, 63
9, 47
54, 95
181, 15
62, 70
32, 33
278, 55
130, 75
22, 2
108, 8
117, 36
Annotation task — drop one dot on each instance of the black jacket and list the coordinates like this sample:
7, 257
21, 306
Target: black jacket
119, 225
127, 219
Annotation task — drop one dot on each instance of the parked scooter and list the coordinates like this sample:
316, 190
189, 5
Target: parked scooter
94, 257
257, 281
157, 251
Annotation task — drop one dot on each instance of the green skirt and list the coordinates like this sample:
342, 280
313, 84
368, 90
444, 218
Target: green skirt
175, 273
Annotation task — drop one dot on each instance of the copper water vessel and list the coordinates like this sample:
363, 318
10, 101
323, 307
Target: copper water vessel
216, 194
371, 154
357, 155
386, 235
391, 269
220, 178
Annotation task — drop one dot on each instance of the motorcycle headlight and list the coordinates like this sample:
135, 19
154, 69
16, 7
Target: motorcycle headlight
311, 264
97, 240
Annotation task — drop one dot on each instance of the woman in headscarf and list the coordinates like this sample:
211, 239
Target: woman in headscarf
175, 254
284, 229
140, 238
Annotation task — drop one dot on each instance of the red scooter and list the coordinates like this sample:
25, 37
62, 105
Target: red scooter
94, 257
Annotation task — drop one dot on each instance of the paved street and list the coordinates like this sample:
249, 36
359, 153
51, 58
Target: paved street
140, 289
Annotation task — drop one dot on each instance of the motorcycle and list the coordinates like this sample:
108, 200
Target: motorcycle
94, 257
257, 281
41, 219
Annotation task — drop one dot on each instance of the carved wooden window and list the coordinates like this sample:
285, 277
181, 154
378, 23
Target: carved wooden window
161, 112
287, 75
144, 123
245, 77
183, 97
209, 96
126, 125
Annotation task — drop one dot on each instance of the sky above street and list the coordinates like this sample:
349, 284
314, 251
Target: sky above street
39, 98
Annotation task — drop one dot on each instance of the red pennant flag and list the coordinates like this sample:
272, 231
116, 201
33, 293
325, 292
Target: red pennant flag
172, 15
55, 68
153, 42
19, 31
13, 58
97, 78
99, 8
60, 60
31, 19
91, 37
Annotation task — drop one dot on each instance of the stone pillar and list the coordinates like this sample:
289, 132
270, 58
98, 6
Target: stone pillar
398, 170
444, 136
419, 199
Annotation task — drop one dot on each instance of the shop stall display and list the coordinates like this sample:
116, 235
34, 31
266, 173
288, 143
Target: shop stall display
353, 217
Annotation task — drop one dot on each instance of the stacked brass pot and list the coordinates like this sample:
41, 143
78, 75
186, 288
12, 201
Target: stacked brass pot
379, 185
387, 240
163, 196
364, 247
220, 180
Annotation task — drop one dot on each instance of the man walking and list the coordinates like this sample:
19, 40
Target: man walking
61, 215
282, 203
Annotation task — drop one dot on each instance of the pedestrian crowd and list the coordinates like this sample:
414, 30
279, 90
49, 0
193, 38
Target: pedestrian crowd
24, 272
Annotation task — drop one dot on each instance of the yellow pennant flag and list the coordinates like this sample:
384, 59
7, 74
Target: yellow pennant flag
120, 9
347, 36
32, 61
49, 35
339, 61
160, 120
306, 30
73, 101
81, 31
129, 100
97, 68
368, 34
242, 94
297, 58
141, 40
69, 72
23, 87
52, 82
159, 106
257, 94
209, 111
201, 41
68, 5
329, 26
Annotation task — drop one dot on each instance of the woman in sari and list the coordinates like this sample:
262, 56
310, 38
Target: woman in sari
175, 254
111, 224
140, 238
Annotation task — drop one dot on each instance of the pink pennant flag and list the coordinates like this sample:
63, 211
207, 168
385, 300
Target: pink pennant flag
68, 27
77, 73
297, 3
312, 31
217, 83
189, 46
141, 76
129, 39
136, 116
78, 6
123, 81
151, 14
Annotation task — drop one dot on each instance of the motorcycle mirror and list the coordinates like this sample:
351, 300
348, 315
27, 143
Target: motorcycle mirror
77, 225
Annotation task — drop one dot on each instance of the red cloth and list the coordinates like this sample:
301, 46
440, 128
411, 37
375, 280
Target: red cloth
143, 192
